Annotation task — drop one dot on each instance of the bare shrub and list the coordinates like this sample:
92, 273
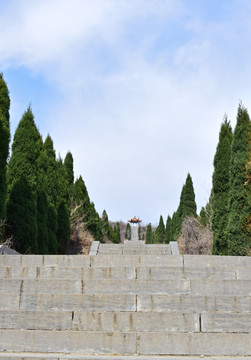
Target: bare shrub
195, 239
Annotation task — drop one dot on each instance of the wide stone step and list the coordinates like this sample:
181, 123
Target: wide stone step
126, 343
100, 321
72, 302
63, 356
121, 273
45, 260
133, 286
44, 286
194, 303
136, 260
185, 261
126, 302
67, 273
134, 248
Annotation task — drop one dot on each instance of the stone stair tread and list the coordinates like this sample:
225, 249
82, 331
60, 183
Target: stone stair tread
163, 272
127, 343
63, 356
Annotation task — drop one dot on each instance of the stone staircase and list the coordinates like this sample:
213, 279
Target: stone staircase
135, 302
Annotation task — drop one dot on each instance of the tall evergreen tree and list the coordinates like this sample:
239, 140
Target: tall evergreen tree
149, 234
62, 183
64, 231
21, 217
50, 178
81, 198
221, 189
168, 234
116, 234
94, 223
42, 223
187, 207
68, 164
189, 204
238, 229
106, 233
160, 231
4, 144
26, 149
139, 233
52, 228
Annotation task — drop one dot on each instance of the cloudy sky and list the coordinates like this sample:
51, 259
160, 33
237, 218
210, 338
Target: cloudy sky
135, 89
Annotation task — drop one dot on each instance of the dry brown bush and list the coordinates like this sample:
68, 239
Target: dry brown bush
195, 239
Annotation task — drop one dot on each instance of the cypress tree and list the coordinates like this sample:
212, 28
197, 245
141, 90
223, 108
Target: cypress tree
160, 231
21, 217
68, 164
42, 221
149, 234
168, 234
52, 228
187, 207
116, 234
178, 216
94, 224
189, 204
238, 229
139, 232
50, 178
26, 149
4, 144
64, 231
105, 226
62, 183
221, 189
81, 197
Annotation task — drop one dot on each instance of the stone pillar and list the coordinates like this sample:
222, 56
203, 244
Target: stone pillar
134, 233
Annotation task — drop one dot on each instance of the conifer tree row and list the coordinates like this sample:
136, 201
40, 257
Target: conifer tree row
41, 189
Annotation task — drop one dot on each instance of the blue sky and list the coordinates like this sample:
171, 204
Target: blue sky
135, 89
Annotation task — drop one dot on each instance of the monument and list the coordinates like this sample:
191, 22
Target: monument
134, 222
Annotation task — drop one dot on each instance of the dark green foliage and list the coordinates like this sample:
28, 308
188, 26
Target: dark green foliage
187, 207
139, 232
21, 217
128, 233
173, 227
4, 144
25, 151
116, 233
160, 232
168, 233
189, 204
68, 164
50, 180
42, 219
149, 234
221, 189
238, 227
4, 100
81, 197
106, 230
63, 233
52, 228
94, 224
203, 217
62, 183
